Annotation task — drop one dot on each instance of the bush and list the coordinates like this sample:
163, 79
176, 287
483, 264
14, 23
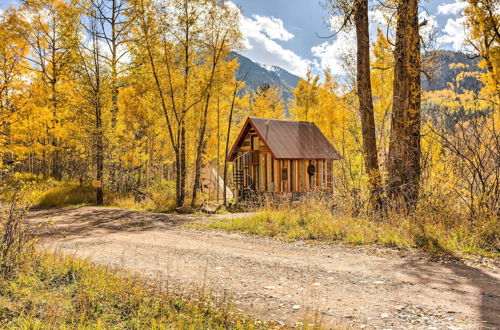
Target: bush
16, 235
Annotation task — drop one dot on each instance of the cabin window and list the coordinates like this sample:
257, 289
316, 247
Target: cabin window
284, 174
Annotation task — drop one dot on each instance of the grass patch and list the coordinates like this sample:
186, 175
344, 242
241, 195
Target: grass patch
312, 221
63, 292
66, 195
75, 194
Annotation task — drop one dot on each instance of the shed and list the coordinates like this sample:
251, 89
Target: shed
282, 156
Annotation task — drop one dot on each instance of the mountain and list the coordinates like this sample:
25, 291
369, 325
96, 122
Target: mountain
256, 75
442, 74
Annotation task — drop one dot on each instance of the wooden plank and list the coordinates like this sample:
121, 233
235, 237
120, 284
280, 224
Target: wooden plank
283, 181
306, 176
294, 183
300, 174
316, 174
321, 173
289, 181
330, 174
269, 169
277, 174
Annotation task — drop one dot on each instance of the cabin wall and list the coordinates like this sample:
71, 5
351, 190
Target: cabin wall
263, 173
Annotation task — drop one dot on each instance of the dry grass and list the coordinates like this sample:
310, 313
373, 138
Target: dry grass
64, 292
313, 220
73, 194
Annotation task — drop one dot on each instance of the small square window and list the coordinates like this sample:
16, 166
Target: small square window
284, 174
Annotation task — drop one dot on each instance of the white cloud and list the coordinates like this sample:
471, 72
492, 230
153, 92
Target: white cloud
272, 26
427, 30
453, 8
454, 33
378, 17
331, 54
261, 34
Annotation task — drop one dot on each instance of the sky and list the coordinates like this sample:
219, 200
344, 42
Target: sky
287, 33
292, 33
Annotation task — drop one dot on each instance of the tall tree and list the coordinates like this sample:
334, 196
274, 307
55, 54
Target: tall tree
49, 27
483, 36
173, 38
364, 90
357, 10
221, 36
93, 77
306, 98
12, 86
267, 102
404, 150
114, 22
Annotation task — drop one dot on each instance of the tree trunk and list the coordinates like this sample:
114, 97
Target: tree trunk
183, 167
116, 9
404, 149
365, 100
99, 158
56, 153
200, 149
99, 132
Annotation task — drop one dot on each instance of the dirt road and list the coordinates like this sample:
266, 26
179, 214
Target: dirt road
283, 281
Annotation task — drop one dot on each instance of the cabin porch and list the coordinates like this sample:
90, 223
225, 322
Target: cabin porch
257, 171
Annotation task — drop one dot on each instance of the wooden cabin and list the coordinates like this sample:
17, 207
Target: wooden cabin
281, 156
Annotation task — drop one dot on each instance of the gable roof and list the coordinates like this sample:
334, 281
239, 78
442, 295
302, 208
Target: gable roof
288, 139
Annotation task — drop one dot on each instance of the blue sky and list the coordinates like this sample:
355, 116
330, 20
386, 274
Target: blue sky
283, 32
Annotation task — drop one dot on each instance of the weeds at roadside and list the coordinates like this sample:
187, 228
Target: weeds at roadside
57, 291
313, 220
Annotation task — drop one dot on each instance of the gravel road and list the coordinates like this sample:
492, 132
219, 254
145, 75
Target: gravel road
286, 282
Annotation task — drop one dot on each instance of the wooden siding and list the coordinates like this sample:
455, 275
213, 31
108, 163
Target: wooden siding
263, 173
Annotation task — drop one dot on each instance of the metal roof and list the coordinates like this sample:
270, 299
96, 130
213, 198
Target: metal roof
288, 139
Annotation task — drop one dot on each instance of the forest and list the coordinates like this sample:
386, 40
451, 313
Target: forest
125, 104
108, 98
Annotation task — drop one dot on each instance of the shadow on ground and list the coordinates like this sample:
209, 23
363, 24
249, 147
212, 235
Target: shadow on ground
462, 277
98, 221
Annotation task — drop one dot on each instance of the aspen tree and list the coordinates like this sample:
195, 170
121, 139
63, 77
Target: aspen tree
50, 28
93, 78
221, 35
356, 12
404, 150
